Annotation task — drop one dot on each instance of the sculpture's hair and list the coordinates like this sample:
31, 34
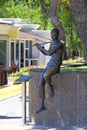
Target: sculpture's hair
55, 30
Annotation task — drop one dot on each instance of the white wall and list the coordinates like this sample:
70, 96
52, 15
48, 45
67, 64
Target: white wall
43, 59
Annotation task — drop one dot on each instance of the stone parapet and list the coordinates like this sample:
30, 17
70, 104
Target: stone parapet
69, 105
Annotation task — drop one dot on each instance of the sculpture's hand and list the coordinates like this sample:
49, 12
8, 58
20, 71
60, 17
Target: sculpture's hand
40, 47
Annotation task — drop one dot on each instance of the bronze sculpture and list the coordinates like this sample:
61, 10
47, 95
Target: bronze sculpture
56, 52
53, 66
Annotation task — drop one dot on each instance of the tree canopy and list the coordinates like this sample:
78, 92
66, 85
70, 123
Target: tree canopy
37, 11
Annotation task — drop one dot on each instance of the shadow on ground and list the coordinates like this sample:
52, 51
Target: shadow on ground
9, 117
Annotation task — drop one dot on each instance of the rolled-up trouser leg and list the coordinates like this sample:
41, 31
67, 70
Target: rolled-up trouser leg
42, 93
42, 87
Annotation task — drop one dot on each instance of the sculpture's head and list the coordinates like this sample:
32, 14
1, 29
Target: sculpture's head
54, 34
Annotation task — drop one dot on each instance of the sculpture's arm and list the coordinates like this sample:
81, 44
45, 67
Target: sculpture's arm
55, 21
51, 50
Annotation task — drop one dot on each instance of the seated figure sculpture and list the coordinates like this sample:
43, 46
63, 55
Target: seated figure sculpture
53, 66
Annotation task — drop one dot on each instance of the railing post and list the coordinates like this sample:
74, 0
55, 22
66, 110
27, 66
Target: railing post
24, 79
24, 102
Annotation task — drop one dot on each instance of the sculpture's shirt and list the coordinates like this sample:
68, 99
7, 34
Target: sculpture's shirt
55, 51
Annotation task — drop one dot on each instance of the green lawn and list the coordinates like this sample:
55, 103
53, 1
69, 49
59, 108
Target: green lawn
74, 69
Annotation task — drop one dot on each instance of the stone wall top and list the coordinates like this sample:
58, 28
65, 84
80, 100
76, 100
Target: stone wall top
61, 72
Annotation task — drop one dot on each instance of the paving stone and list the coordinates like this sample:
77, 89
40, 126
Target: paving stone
11, 117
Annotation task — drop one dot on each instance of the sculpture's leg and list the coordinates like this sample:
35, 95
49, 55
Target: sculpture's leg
42, 96
42, 92
47, 76
52, 93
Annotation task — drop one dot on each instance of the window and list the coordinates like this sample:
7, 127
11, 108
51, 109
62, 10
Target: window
17, 52
3, 56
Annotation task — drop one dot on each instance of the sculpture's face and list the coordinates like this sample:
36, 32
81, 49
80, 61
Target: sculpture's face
54, 35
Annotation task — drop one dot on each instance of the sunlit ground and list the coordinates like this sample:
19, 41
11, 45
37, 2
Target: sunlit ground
11, 90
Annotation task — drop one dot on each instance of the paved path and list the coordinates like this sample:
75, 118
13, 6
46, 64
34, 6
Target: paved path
11, 117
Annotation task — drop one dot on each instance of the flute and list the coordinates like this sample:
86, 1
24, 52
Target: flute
42, 43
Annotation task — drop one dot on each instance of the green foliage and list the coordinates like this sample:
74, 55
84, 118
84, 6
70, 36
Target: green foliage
12, 11
20, 73
25, 69
37, 11
27, 9
17, 74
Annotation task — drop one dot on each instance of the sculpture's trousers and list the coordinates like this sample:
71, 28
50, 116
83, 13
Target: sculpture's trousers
46, 78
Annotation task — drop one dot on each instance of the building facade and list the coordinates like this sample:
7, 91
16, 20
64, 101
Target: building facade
17, 38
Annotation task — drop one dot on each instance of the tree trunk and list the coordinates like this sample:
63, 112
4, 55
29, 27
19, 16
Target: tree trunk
55, 21
79, 8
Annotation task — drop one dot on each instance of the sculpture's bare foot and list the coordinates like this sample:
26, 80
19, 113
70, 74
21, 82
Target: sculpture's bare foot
41, 109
